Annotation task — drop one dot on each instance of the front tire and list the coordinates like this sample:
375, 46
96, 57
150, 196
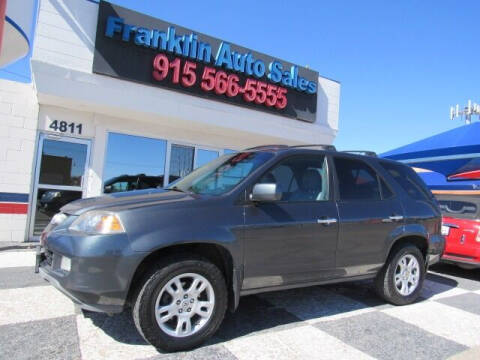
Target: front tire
401, 279
181, 304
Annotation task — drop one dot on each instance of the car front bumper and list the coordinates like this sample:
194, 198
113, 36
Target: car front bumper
101, 270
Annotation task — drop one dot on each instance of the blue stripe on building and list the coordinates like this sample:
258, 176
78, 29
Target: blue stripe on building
13, 197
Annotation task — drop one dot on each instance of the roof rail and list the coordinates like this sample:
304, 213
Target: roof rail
282, 146
270, 146
323, 146
361, 152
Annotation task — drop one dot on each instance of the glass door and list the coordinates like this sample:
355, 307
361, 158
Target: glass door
60, 177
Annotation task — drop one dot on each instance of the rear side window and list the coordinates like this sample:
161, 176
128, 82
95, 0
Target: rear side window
356, 180
408, 179
386, 192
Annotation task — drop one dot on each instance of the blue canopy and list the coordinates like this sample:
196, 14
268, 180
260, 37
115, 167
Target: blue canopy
450, 152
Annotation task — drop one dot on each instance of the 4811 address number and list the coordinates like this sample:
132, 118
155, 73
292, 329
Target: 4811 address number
219, 82
65, 127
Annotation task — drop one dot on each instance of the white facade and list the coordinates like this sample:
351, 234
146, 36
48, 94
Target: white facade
65, 89
18, 132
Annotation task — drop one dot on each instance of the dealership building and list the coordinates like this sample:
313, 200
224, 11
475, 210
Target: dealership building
121, 101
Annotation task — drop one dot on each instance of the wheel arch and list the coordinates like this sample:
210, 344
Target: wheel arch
418, 240
215, 253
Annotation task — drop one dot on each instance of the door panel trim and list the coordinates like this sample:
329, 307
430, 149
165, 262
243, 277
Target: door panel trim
305, 284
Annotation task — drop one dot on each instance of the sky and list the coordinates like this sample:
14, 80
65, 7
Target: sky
401, 64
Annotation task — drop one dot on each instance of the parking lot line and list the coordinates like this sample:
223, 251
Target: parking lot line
17, 259
33, 303
443, 320
96, 342
296, 343
433, 290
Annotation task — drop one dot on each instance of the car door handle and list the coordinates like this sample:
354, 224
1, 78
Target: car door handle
393, 218
327, 221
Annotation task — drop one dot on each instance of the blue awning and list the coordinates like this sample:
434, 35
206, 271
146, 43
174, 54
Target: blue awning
450, 152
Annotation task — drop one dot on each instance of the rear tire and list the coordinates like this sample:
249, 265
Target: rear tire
181, 303
401, 279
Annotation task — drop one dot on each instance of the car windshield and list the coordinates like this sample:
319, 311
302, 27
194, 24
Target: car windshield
222, 174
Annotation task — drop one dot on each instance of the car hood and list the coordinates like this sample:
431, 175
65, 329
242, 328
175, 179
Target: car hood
126, 199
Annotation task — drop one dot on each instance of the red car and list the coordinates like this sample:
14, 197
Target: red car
460, 226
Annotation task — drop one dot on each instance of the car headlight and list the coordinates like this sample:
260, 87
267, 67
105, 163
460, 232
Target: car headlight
58, 219
98, 223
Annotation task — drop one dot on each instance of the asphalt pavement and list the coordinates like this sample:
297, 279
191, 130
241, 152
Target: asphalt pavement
342, 321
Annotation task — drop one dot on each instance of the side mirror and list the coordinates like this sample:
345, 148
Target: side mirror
265, 193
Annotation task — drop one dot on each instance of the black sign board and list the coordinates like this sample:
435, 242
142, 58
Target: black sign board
137, 47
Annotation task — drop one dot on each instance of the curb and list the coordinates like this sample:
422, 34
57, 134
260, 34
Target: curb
17, 246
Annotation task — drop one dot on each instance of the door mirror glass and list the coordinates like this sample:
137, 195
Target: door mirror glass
265, 192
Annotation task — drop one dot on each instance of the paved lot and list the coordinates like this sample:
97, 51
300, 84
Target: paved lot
345, 321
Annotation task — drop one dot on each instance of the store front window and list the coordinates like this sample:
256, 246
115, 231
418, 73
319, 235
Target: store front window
204, 157
181, 161
133, 163
137, 162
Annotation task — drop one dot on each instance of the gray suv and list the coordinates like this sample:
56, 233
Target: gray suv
268, 218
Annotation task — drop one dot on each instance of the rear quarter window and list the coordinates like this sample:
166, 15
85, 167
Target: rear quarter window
408, 179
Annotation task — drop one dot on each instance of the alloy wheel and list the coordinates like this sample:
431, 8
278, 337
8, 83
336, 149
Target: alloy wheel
184, 305
407, 275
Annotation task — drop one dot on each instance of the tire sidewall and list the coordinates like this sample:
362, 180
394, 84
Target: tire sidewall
394, 294
147, 299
